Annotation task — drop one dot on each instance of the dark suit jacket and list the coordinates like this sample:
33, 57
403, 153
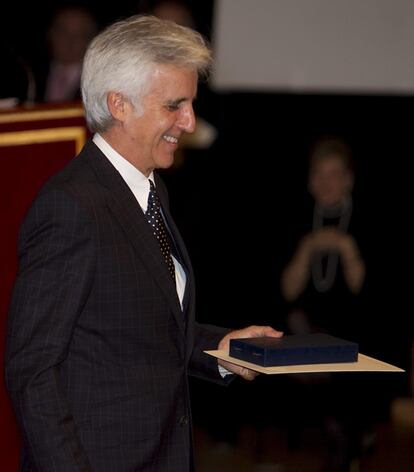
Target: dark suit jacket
98, 348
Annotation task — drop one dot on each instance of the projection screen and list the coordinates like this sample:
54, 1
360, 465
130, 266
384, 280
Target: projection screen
336, 46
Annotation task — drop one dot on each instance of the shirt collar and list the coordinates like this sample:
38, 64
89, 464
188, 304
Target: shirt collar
136, 180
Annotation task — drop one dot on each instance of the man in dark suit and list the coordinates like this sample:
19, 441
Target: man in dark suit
102, 335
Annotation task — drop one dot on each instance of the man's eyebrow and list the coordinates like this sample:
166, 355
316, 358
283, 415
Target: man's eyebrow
180, 100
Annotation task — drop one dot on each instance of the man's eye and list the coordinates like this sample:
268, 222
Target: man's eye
173, 106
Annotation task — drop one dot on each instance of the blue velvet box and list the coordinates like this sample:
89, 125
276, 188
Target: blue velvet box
298, 349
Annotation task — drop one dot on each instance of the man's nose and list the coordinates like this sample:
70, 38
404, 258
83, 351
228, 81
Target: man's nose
187, 120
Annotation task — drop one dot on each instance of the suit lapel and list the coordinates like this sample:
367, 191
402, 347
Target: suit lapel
127, 211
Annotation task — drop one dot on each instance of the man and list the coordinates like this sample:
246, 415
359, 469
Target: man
102, 334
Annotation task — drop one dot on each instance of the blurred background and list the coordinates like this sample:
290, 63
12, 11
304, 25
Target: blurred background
286, 75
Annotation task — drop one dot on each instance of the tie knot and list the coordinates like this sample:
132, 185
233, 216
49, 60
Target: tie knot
153, 199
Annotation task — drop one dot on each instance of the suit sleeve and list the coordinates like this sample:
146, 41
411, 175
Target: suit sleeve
207, 337
56, 263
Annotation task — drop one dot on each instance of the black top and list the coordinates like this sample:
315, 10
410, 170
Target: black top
336, 311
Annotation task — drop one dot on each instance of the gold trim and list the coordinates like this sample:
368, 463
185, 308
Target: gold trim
51, 135
39, 115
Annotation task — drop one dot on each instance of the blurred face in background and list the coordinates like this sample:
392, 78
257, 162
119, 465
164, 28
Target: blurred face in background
174, 11
70, 34
330, 181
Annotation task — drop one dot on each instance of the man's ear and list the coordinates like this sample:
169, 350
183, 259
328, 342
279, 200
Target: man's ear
117, 105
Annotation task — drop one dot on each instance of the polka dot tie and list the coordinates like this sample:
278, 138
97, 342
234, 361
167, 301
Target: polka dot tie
161, 234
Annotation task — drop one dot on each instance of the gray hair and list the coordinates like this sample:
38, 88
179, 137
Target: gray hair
123, 57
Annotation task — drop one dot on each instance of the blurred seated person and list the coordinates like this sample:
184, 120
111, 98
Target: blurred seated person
326, 271
71, 29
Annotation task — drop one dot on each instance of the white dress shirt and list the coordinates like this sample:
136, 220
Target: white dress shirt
140, 187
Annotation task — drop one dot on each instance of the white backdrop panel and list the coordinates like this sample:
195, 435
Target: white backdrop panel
357, 46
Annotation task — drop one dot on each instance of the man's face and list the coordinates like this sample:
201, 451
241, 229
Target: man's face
167, 113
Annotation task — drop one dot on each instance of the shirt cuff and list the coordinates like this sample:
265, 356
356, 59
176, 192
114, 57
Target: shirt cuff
224, 372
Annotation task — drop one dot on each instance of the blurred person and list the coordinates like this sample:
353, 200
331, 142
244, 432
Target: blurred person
174, 10
102, 333
323, 285
327, 265
178, 11
70, 31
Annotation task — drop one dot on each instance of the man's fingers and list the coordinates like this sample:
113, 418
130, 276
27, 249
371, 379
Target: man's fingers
248, 374
269, 331
243, 372
259, 331
249, 332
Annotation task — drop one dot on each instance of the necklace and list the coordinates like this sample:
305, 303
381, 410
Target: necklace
323, 282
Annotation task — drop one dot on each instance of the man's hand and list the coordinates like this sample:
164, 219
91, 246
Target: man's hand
249, 332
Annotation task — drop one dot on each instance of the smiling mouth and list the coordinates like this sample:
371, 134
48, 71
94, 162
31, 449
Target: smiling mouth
170, 139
